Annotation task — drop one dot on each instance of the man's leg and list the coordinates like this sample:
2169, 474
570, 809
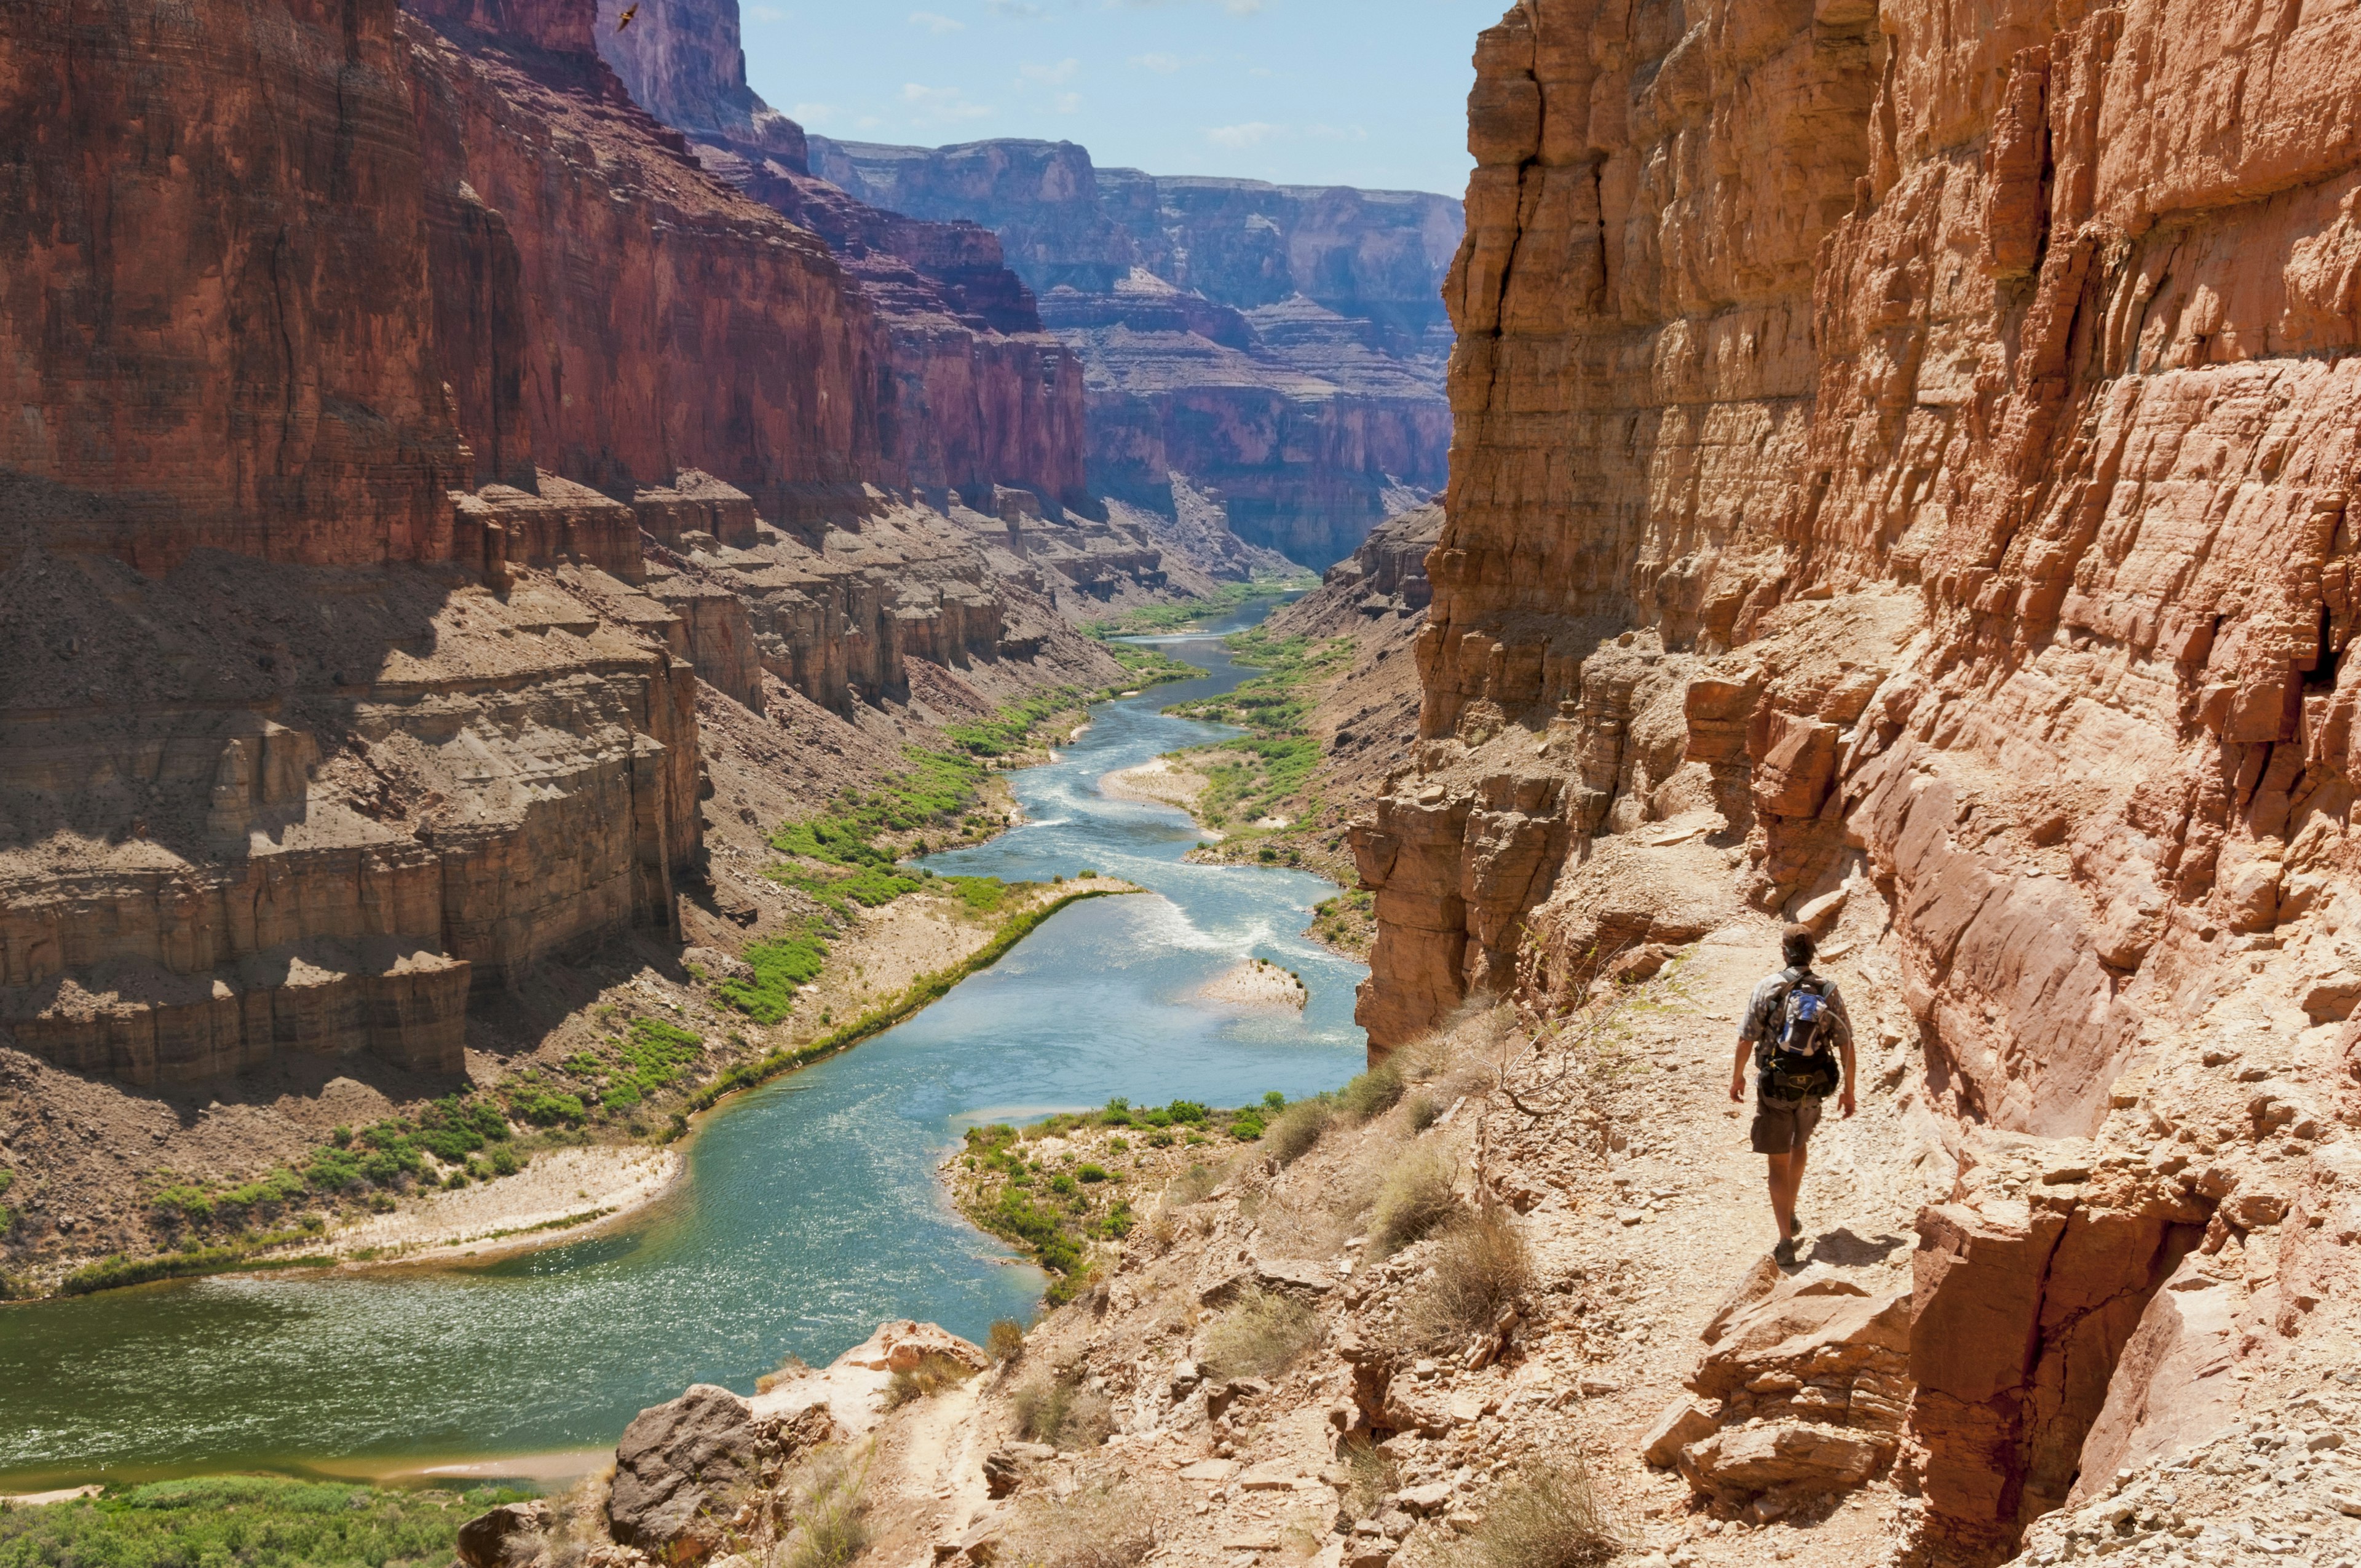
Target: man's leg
1783, 1189
1794, 1188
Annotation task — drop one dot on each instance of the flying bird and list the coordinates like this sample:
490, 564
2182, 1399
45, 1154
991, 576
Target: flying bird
630, 12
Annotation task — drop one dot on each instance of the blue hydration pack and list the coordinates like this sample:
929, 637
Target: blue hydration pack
1800, 1065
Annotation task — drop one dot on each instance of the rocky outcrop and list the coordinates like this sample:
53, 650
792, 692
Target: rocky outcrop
1921, 481
1277, 348
249, 811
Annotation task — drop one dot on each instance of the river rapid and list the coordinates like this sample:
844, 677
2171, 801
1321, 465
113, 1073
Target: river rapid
811, 1211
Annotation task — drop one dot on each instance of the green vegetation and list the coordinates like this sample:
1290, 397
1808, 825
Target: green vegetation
935, 1372
8, 1215
1056, 1215
651, 1055
1145, 667
251, 1522
113, 1273
1229, 597
1062, 1412
851, 852
1253, 775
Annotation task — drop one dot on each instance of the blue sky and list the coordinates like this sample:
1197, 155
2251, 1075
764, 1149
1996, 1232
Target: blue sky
1368, 92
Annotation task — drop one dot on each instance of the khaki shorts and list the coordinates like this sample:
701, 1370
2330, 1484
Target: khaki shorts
1783, 1126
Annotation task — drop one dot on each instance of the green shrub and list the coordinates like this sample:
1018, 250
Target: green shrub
1005, 1343
1414, 1198
1422, 1113
1261, 1336
248, 1521
1373, 1093
1299, 1129
1481, 1267
543, 1109
780, 966
830, 1510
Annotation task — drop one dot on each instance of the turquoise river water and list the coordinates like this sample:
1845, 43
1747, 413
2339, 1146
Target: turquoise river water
811, 1211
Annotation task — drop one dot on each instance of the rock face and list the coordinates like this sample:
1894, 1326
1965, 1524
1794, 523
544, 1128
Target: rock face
681, 1470
1277, 348
253, 386
979, 395
340, 687
1927, 474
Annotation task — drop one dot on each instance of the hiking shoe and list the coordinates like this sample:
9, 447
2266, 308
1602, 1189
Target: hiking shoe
1786, 1250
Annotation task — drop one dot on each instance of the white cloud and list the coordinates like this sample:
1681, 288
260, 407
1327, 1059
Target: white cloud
1052, 75
812, 113
1069, 102
935, 22
1162, 64
1022, 10
937, 104
1238, 138
1337, 133
766, 13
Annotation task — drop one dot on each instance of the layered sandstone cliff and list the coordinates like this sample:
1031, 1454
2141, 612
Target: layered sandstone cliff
1277, 349
979, 396
308, 742
1913, 450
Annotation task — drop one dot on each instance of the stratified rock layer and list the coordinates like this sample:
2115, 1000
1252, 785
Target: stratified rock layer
1917, 443
1278, 347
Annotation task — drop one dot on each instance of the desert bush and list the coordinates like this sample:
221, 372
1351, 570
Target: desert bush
1546, 1517
1298, 1129
934, 1373
1006, 1342
1163, 1230
792, 1367
1062, 1412
1422, 1111
1102, 1527
1261, 1336
1196, 1184
1372, 1475
1415, 1198
1481, 1266
1373, 1093
830, 1511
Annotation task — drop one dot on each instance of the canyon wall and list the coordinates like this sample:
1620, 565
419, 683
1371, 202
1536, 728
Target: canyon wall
1276, 349
343, 684
266, 382
1908, 442
980, 396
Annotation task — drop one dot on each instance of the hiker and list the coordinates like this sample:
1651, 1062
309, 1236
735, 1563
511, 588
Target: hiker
1795, 1031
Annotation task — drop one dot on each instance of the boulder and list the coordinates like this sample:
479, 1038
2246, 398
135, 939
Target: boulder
510, 1536
902, 1344
1684, 1421
1794, 1457
1817, 1327
681, 1470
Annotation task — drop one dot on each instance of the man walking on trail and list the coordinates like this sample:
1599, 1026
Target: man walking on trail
1795, 1032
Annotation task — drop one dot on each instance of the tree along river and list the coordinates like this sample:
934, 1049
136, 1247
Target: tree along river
811, 1211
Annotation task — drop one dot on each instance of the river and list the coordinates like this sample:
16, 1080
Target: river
810, 1214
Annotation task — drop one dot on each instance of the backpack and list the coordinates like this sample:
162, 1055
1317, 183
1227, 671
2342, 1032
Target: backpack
1796, 1061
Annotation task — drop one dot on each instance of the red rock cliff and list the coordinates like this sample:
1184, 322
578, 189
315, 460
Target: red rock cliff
1918, 436
979, 396
215, 327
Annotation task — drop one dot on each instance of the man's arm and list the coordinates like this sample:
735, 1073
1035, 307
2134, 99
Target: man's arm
1738, 1070
1844, 1047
